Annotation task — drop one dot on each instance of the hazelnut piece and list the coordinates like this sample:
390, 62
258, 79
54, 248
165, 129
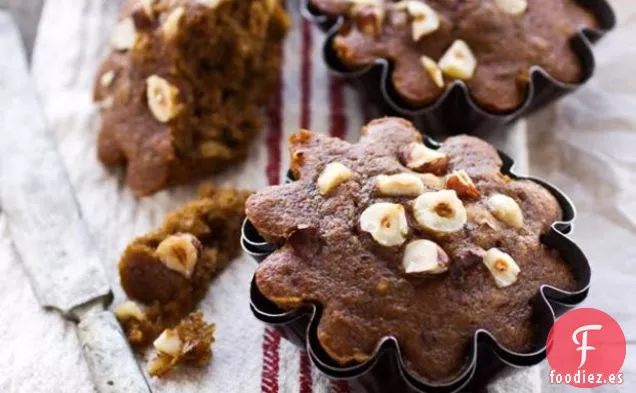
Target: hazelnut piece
424, 256
170, 26
418, 157
440, 211
124, 35
463, 185
402, 184
163, 98
433, 70
506, 209
332, 176
107, 78
129, 310
512, 7
386, 222
180, 253
168, 343
502, 267
458, 61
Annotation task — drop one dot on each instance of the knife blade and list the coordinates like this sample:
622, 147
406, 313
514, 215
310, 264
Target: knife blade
47, 228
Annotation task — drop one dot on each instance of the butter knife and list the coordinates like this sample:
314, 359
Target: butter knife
47, 228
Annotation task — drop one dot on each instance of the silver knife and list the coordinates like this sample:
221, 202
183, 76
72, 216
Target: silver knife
47, 228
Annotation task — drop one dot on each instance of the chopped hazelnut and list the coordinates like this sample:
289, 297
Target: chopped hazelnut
369, 19
402, 184
512, 7
506, 209
433, 70
180, 253
418, 157
332, 176
463, 185
502, 267
170, 26
424, 256
163, 98
440, 211
458, 61
386, 222
124, 35
129, 310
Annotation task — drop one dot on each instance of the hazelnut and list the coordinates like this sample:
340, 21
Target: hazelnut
331, 177
425, 19
170, 26
402, 184
107, 78
210, 3
512, 7
106, 103
424, 256
129, 310
418, 157
369, 19
440, 211
147, 6
433, 70
458, 61
180, 253
124, 35
463, 185
386, 222
506, 209
163, 98
502, 267
168, 343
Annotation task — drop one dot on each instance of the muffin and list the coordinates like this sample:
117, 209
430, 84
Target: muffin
181, 92
168, 271
391, 237
490, 45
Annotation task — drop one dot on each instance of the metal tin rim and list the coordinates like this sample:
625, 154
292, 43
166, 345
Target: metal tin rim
548, 297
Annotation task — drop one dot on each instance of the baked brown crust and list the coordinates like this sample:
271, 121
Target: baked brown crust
223, 63
505, 45
361, 285
214, 220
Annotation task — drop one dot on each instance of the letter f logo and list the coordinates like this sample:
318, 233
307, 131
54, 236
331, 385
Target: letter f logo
584, 347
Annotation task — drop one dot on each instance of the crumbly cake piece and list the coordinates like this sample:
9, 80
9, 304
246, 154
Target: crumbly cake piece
490, 44
393, 238
188, 343
182, 89
168, 271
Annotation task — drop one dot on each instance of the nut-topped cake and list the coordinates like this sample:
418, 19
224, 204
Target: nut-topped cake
392, 237
181, 92
490, 44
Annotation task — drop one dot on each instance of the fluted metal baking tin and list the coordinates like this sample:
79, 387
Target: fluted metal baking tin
385, 371
455, 111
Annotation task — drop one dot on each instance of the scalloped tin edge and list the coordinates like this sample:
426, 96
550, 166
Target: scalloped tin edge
455, 110
300, 325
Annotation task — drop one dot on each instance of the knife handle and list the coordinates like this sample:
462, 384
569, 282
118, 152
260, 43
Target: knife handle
109, 357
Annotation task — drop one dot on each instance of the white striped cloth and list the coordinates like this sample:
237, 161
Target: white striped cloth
247, 357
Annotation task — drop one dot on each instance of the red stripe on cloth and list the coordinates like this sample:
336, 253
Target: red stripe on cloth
305, 75
305, 374
306, 69
339, 387
338, 114
274, 113
271, 360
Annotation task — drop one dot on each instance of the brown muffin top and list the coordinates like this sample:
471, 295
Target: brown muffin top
448, 246
504, 37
